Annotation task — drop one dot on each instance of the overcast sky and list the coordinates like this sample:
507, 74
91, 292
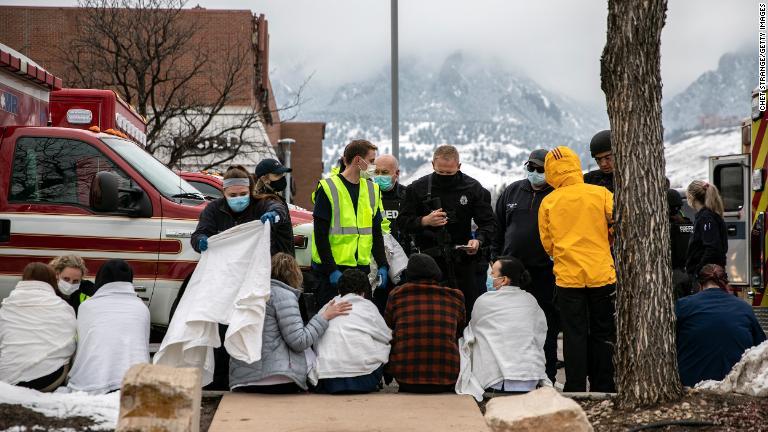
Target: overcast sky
556, 42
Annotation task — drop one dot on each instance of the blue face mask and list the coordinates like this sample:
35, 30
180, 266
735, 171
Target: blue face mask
537, 179
384, 182
238, 204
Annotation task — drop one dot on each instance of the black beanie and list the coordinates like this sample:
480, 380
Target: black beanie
674, 200
600, 143
115, 270
423, 266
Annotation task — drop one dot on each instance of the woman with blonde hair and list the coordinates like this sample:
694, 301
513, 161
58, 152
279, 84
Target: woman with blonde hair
709, 242
286, 353
70, 273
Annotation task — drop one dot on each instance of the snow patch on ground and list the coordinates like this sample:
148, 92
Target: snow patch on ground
103, 409
749, 376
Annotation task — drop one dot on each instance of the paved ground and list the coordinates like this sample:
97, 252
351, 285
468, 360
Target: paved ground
379, 412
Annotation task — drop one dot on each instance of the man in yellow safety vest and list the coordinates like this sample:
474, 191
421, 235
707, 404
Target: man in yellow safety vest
348, 222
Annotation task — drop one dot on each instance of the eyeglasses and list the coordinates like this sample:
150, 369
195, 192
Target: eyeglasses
532, 168
606, 158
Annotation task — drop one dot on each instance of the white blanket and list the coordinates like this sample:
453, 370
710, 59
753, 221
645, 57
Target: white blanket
37, 332
354, 345
113, 335
230, 285
503, 341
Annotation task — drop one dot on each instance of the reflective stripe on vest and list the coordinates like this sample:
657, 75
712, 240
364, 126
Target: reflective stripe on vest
351, 233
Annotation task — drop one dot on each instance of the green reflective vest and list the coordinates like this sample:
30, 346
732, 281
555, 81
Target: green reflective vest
351, 233
84, 297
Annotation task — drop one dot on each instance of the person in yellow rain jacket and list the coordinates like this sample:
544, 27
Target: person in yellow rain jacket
574, 224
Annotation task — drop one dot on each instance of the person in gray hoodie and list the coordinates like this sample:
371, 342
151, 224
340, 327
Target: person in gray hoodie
286, 350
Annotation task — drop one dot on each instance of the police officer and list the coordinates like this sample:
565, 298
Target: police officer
517, 235
600, 148
392, 196
680, 230
439, 209
347, 222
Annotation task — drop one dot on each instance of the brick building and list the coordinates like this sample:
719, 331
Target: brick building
44, 33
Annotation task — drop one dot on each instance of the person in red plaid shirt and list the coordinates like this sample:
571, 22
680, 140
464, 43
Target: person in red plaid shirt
426, 321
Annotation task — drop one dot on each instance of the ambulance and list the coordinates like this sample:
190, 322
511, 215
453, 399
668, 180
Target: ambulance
75, 179
741, 179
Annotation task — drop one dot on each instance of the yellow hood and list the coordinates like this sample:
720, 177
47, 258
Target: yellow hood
562, 167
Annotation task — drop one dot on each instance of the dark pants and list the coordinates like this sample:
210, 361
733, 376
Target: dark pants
589, 335
465, 280
354, 385
47, 383
221, 364
426, 388
543, 288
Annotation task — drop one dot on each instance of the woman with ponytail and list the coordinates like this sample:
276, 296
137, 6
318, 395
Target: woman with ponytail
709, 242
503, 346
714, 328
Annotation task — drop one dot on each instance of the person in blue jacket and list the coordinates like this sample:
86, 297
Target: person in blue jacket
714, 328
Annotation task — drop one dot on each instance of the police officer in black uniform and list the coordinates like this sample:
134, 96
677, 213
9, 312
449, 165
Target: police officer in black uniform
438, 211
680, 230
602, 152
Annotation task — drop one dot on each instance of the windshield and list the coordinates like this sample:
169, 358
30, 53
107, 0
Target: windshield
166, 181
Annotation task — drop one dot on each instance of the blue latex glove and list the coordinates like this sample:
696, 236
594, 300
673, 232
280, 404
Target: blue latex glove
202, 244
270, 216
384, 275
334, 277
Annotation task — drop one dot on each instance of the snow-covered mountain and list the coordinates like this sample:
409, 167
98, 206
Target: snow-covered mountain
717, 98
496, 116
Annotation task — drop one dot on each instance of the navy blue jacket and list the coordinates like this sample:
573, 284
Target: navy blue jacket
517, 221
218, 217
714, 328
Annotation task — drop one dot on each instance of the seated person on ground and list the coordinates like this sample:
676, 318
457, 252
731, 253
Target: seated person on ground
112, 331
426, 321
503, 346
70, 271
352, 352
714, 328
37, 332
286, 346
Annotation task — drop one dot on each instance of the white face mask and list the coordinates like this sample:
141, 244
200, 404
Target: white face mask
67, 288
369, 171
537, 179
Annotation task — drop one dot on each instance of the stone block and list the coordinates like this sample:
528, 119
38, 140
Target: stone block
157, 398
540, 410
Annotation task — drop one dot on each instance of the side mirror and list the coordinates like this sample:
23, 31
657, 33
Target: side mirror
104, 195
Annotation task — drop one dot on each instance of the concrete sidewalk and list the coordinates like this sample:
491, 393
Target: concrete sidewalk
374, 412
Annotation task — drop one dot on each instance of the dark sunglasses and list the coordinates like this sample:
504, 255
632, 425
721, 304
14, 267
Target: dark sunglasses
532, 168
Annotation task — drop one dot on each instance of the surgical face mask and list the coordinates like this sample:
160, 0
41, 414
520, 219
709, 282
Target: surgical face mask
238, 204
369, 171
494, 279
67, 288
537, 178
279, 185
384, 182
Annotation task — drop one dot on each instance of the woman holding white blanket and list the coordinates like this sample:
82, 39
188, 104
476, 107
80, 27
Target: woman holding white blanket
37, 332
352, 352
286, 348
503, 346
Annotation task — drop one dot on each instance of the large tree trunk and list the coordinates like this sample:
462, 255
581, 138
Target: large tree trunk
645, 356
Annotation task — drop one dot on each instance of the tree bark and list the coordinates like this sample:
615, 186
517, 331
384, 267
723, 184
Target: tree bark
645, 356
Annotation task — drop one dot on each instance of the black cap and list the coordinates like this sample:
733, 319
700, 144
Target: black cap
270, 166
422, 266
600, 143
537, 157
